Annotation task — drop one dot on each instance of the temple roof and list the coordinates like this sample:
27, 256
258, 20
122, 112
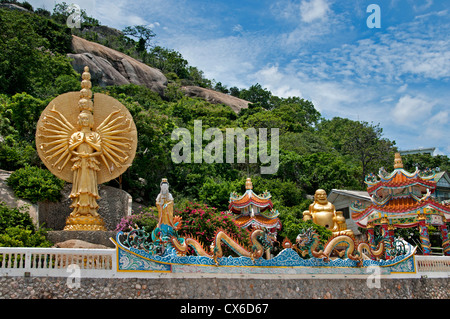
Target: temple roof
237, 203
400, 210
400, 178
399, 195
254, 210
245, 221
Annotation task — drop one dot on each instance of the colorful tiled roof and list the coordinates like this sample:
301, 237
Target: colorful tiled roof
245, 221
399, 195
252, 209
249, 198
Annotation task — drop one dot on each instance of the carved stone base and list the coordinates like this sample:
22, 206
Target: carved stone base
85, 223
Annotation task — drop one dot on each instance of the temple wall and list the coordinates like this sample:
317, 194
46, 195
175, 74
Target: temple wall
222, 288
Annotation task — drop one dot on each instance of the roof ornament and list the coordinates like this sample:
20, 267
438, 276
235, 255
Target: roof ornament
398, 161
248, 183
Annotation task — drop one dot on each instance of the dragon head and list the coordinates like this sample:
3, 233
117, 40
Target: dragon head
305, 237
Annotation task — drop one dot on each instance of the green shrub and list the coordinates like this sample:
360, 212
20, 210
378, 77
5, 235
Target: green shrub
10, 217
17, 229
35, 184
19, 237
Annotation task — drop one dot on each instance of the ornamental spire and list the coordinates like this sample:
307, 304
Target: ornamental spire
248, 183
398, 161
85, 102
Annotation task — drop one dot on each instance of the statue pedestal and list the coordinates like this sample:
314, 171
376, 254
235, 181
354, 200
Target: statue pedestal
114, 204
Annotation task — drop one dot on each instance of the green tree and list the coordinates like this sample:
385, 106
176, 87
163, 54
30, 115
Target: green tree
363, 142
168, 61
24, 114
256, 94
62, 11
28, 60
318, 170
141, 32
422, 161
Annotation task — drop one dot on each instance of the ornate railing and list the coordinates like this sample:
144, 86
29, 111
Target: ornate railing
57, 261
433, 264
101, 263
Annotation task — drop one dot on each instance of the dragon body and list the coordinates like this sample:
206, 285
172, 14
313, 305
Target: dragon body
261, 242
308, 243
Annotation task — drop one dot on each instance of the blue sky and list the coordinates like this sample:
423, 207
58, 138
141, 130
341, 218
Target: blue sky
397, 75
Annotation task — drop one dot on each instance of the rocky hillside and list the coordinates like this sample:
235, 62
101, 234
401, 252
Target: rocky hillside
216, 97
110, 67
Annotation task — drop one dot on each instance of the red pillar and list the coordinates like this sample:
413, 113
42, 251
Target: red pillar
445, 239
424, 237
388, 240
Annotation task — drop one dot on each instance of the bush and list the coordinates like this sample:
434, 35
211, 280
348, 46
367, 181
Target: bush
15, 154
147, 220
17, 229
10, 217
19, 237
35, 184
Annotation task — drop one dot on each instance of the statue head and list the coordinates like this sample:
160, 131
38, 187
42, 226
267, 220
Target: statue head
85, 119
320, 196
164, 186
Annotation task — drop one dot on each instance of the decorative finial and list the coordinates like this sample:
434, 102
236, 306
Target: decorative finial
248, 183
398, 161
85, 102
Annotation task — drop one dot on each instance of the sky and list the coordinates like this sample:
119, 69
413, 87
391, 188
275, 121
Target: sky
396, 74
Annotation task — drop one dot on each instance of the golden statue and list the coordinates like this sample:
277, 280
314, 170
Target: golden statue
100, 145
323, 213
164, 203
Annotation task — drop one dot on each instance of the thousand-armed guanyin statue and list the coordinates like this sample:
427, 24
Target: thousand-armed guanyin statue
86, 143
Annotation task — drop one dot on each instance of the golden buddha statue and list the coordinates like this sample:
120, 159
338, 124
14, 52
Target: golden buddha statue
100, 143
323, 213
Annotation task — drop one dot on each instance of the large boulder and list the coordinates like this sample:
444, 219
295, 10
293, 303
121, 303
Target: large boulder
216, 97
77, 243
7, 196
110, 67
114, 204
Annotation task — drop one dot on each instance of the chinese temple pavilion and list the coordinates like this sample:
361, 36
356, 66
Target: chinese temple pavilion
402, 200
254, 211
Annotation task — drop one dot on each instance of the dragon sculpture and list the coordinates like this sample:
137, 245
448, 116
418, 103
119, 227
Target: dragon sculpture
159, 242
308, 243
262, 241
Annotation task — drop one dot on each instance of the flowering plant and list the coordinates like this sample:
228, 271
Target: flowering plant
203, 222
146, 219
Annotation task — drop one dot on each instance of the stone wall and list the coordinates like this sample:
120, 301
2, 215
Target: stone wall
220, 288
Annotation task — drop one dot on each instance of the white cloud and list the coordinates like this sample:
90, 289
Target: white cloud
424, 6
409, 109
313, 9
